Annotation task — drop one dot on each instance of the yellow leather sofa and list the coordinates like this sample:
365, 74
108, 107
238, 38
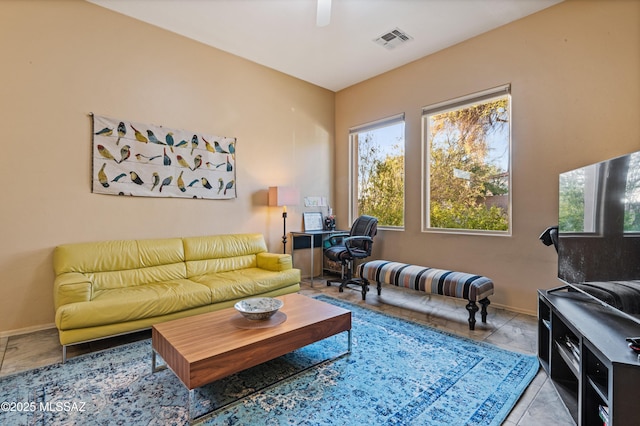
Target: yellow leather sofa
108, 288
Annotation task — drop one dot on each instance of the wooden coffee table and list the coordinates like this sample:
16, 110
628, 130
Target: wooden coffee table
204, 348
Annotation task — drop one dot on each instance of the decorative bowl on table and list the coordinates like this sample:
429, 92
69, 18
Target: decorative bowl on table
258, 308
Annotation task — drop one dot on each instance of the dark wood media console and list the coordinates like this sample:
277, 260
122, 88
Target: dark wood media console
582, 347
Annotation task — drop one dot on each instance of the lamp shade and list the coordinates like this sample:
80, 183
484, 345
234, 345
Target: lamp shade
283, 196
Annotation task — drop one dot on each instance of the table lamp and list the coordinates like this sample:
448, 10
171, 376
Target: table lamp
283, 196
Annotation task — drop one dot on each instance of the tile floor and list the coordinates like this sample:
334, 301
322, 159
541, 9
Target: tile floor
539, 404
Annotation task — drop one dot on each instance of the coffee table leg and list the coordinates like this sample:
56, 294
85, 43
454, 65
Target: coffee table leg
349, 347
191, 399
154, 364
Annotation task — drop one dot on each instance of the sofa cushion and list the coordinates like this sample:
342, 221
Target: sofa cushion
196, 268
117, 305
121, 255
134, 277
245, 283
228, 252
117, 264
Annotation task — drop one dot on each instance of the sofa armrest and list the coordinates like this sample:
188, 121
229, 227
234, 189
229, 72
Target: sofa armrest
274, 261
71, 287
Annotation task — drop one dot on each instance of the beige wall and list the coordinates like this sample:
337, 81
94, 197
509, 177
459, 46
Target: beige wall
574, 71
66, 58
576, 99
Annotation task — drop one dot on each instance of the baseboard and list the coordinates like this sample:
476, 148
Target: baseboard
512, 309
27, 330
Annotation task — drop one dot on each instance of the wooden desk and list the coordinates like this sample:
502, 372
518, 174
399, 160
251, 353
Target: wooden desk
312, 237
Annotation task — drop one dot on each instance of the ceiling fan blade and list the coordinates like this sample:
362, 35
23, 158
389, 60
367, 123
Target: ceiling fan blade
324, 13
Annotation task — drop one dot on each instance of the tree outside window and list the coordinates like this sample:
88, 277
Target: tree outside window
578, 200
632, 196
378, 172
468, 159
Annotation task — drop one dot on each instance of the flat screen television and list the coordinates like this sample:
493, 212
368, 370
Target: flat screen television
599, 232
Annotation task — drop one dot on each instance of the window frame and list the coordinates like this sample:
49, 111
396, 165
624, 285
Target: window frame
353, 165
450, 105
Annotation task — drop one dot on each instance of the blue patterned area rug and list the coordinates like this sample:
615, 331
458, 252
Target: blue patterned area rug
399, 373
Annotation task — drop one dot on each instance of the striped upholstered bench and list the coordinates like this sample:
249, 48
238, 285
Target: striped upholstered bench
430, 280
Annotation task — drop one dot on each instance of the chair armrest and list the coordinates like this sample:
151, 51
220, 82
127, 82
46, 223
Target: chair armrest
347, 243
274, 261
334, 237
357, 238
340, 234
71, 287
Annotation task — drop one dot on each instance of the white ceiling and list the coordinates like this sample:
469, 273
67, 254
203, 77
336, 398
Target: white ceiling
282, 34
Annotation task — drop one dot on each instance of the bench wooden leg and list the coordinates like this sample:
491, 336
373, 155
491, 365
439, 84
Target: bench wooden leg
364, 284
365, 288
484, 302
472, 307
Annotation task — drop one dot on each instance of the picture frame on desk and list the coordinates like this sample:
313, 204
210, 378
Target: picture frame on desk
313, 221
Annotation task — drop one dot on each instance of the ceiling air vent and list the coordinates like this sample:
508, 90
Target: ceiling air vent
393, 38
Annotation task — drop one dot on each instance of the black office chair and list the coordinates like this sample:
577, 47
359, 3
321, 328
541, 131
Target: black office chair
355, 245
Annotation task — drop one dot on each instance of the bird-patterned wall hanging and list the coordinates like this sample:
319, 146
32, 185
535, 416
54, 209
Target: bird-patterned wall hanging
145, 160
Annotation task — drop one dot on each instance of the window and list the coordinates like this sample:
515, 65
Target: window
578, 201
467, 174
377, 173
632, 195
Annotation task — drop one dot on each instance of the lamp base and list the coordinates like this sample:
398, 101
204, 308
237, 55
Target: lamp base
284, 232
